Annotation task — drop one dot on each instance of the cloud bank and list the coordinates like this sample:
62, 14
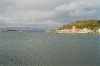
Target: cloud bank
46, 13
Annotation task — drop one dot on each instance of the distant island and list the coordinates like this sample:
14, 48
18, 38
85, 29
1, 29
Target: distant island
79, 26
3, 30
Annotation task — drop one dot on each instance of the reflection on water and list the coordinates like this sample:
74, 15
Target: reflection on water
48, 49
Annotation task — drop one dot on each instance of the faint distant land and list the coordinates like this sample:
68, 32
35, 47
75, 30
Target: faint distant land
7, 30
80, 26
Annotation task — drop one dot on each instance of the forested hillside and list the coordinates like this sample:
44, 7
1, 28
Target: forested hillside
80, 24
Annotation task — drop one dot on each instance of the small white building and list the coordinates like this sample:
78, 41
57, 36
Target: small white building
99, 30
86, 30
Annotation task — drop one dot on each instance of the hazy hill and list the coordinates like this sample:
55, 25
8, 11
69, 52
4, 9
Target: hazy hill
91, 24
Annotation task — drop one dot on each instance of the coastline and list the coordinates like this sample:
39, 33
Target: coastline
79, 26
78, 31
73, 33
7, 30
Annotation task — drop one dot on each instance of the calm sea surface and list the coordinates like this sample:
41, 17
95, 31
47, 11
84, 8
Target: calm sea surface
49, 49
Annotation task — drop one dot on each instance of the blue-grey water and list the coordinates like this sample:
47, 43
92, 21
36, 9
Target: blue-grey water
49, 49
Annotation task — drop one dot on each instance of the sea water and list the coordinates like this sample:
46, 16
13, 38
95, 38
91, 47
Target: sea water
49, 49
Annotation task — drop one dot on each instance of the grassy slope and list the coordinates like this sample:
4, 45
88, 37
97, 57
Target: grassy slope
91, 24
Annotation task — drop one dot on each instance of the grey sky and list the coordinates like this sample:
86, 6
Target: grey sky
46, 13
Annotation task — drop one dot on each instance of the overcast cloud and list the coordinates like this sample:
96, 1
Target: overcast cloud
46, 13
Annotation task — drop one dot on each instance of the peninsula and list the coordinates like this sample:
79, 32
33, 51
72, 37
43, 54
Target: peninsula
80, 26
3, 30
